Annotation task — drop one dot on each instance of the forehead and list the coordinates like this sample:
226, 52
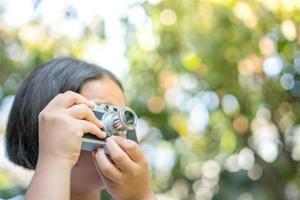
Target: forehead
103, 90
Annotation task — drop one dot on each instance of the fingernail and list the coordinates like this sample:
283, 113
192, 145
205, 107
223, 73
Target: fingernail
103, 133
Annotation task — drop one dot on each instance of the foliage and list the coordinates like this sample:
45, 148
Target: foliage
215, 84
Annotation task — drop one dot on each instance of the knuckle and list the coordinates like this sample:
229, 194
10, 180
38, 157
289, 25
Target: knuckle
134, 171
52, 118
44, 116
60, 95
131, 145
69, 92
118, 157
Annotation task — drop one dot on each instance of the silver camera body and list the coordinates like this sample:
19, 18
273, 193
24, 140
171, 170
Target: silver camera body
116, 121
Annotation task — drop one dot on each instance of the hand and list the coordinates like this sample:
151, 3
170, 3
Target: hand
62, 123
126, 175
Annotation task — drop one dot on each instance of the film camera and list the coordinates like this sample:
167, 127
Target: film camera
116, 120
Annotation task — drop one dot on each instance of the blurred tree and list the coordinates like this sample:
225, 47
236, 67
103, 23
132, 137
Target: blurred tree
236, 63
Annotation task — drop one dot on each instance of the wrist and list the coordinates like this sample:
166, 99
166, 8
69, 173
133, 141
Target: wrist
49, 175
54, 163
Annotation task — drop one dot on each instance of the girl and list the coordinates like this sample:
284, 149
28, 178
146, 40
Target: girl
50, 114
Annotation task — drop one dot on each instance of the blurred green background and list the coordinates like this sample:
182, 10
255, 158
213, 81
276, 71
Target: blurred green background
216, 85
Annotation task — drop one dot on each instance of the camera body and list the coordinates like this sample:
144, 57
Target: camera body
116, 120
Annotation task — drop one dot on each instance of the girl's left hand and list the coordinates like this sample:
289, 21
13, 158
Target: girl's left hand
126, 174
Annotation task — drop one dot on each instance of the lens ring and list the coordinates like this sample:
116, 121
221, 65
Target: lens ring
128, 118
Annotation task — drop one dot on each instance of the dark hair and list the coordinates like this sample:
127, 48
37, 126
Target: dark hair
35, 92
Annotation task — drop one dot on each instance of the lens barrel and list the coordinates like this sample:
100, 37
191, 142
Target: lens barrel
128, 118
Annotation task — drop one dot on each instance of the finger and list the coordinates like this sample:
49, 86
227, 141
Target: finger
131, 148
82, 111
70, 98
119, 157
96, 165
101, 176
88, 127
106, 167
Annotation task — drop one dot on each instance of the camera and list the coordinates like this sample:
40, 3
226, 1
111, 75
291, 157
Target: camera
116, 121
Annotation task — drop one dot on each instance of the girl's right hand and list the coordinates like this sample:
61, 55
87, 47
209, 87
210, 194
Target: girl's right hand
62, 123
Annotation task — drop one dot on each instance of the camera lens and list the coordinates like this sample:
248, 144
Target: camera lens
129, 117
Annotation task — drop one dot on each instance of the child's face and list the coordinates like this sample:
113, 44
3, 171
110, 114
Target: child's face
84, 175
